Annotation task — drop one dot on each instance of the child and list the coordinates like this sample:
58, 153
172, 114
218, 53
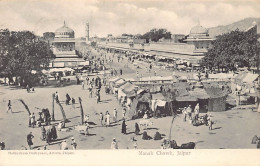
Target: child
9, 106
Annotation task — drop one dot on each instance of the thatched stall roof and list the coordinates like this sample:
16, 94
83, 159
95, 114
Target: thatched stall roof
215, 92
146, 97
199, 93
186, 98
158, 96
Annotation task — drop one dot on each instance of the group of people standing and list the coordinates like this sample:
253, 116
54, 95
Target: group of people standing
193, 116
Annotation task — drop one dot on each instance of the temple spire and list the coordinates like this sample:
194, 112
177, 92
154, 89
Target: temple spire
64, 23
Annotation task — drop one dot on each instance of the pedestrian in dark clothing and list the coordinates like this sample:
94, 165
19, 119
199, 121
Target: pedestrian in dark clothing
137, 129
53, 133
29, 140
43, 138
9, 106
73, 102
123, 127
68, 99
48, 136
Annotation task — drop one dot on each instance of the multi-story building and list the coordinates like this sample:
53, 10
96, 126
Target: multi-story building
63, 47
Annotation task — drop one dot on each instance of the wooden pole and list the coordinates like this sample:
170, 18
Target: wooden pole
173, 116
52, 115
26, 107
63, 112
81, 112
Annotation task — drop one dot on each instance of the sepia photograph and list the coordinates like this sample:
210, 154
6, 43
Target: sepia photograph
135, 75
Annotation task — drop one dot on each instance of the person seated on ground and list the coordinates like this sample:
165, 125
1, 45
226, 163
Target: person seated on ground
73, 100
157, 136
146, 136
2, 146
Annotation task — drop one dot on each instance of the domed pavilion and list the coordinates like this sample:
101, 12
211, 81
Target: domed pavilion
199, 37
64, 48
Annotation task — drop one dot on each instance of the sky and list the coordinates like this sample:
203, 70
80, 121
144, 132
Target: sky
122, 16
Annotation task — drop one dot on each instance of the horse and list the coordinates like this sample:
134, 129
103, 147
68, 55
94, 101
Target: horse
145, 123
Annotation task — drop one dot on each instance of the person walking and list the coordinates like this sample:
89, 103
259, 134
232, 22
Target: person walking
115, 115
123, 127
189, 110
114, 144
9, 107
185, 114
56, 96
32, 118
29, 140
98, 98
137, 129
101, 117
196, 111
107, 119
73, 102
87, 79
124, 113
90, 92
73, 143
67, 99
27, 88
210, 122
83, 84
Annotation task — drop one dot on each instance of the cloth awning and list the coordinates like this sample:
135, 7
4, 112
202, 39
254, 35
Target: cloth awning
120, 81
114, 79
250, 78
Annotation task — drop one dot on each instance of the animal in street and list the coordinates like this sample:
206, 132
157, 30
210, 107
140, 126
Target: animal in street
82, 128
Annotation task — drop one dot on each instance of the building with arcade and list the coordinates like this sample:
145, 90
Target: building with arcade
63, 47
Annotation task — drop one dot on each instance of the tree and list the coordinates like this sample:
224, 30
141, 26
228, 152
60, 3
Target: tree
48, 36
170, 96
156, 34
21, 53
233, 48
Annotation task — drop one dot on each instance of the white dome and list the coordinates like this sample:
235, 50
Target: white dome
64, 32
197, 30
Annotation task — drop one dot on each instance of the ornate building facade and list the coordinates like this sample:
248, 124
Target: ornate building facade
63, 47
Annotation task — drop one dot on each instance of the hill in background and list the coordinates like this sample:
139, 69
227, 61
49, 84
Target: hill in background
241, 25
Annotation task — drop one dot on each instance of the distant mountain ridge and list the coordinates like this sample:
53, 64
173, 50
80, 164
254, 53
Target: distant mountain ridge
242, 25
